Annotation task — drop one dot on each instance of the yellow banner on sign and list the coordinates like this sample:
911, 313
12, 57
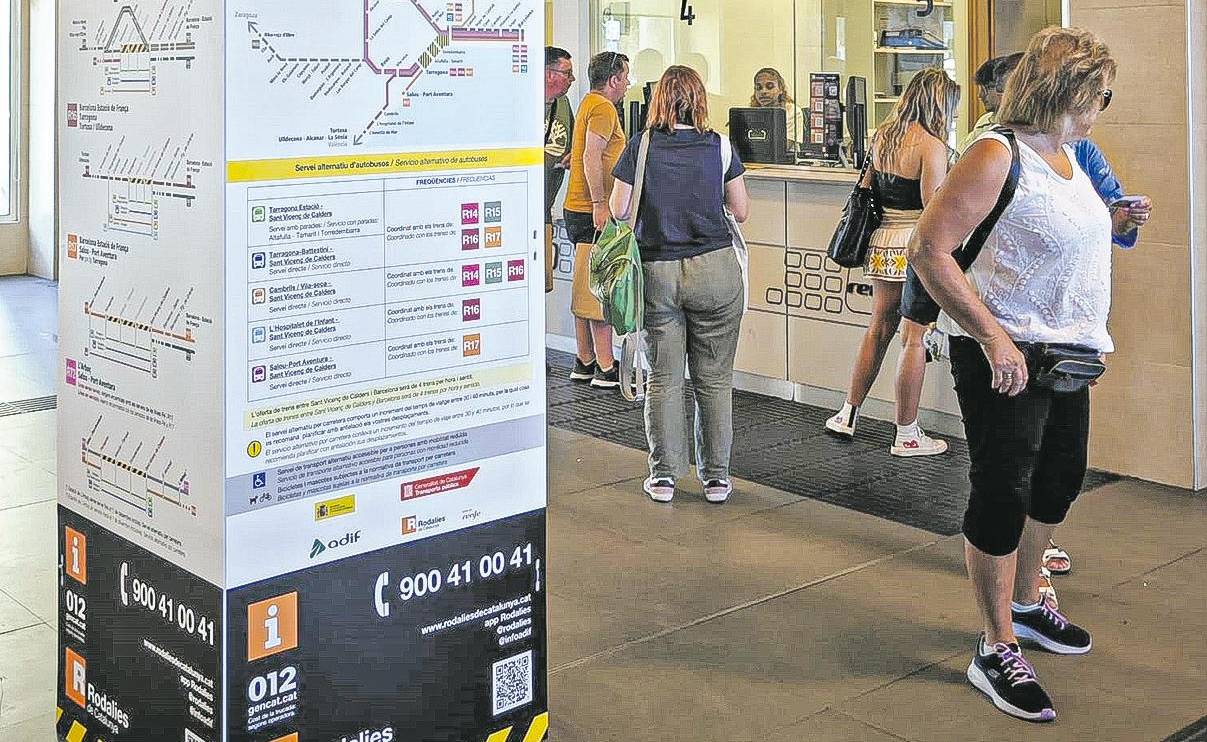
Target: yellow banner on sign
292, 168
334, 508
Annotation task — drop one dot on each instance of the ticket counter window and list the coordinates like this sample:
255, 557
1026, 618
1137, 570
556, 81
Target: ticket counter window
885, 42
727, 43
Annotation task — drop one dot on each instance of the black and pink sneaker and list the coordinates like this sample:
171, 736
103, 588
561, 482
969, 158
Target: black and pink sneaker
1001, 673
1046, 626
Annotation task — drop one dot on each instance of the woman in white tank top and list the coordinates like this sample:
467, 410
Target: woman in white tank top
1043, 277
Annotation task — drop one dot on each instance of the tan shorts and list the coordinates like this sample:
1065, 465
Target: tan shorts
583, 303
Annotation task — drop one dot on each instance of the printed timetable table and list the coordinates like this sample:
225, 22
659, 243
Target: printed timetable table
358, 281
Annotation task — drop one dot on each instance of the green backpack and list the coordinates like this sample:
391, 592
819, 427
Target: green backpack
616, 281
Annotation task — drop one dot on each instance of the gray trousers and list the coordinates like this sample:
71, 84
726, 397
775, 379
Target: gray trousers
693, 311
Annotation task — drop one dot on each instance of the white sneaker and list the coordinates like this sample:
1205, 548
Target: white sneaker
918, 445
661, 489
717, 491
842, 425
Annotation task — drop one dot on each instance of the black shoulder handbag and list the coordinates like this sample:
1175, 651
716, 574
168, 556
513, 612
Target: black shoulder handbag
916, 303
860, 217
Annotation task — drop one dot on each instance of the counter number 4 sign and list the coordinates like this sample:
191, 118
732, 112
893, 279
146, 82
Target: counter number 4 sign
687, 13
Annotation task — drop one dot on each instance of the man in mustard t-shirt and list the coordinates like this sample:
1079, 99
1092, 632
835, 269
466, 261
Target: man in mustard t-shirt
598, 143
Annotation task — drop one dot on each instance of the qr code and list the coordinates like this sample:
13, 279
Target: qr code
512, 682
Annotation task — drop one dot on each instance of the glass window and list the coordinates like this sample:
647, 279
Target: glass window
885, 42
727, 43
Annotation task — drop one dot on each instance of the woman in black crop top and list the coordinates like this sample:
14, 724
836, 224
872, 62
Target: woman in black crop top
909, 157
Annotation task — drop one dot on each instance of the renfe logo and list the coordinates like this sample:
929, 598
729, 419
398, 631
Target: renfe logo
75, 679
471, 275
469, 214
515, 270
471, 239
272, 626
494, 237
492, 212
471, 310
494, 272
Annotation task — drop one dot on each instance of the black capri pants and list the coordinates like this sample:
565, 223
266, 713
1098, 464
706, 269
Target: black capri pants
1028, 452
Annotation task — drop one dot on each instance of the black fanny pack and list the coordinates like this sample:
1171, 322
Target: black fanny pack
1062, 367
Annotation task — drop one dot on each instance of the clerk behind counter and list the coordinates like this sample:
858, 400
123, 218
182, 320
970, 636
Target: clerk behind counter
771, 91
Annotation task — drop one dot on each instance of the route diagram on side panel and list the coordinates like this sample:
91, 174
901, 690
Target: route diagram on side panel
131, 46
138, 185
133, 331
134, 472
373, 66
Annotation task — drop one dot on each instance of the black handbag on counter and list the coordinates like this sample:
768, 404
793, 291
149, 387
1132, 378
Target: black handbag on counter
916, 302
860, 217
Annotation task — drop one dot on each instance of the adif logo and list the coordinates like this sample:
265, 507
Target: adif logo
371, 735
318, 547
75, 681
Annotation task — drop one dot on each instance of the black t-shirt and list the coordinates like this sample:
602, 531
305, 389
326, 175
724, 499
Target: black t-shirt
680, 214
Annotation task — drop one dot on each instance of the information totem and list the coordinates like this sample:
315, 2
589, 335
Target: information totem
301, 408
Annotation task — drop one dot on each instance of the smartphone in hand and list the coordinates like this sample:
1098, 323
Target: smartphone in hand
1127, 202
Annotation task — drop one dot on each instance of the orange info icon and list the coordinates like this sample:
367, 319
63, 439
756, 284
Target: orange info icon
287, 738
75, 679
75, 555
272, 626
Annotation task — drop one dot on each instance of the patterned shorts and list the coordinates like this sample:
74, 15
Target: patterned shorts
887, 248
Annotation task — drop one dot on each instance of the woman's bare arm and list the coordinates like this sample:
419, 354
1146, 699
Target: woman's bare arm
966, 198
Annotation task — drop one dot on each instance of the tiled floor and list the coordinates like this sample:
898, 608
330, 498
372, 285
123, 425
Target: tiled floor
773, 618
